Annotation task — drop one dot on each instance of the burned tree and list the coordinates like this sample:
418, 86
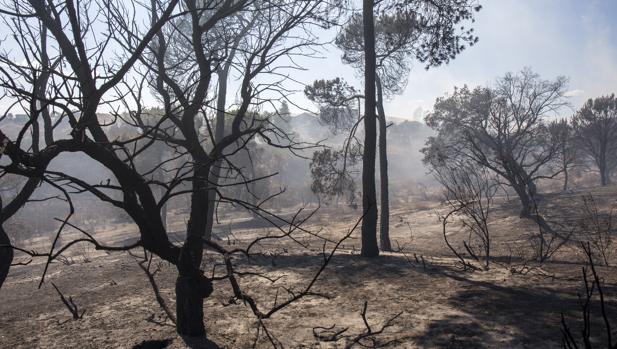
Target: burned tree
500, 128
237, 28
369, 195
469, 191
562, 136
426, 31
595, 128
175, 58
597, 230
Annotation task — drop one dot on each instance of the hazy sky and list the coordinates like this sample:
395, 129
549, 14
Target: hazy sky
575, 38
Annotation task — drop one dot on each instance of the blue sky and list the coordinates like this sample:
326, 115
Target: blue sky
575, 38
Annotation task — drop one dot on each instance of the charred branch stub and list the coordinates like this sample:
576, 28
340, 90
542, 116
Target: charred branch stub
70, 304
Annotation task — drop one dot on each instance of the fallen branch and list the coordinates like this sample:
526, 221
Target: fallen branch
331, 334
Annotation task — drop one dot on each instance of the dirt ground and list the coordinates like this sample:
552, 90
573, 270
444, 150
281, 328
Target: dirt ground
515, 304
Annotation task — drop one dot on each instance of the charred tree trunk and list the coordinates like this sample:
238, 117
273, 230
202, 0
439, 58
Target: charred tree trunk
601, 157
191, 289
527, 193
606, 180
192, 286
384, 227
369, 196
164, 215
487, 251
566, 159
6, 253
219, 133
604, 175
565, 178
253, 198
160, 176
523, 185
526, 200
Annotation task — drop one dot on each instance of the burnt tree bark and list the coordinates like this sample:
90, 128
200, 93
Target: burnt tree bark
191, 285
369, 196
384, 221
219, 128
382, 42
219, 133
6, 253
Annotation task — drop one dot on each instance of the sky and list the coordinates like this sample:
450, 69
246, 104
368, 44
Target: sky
574, 38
